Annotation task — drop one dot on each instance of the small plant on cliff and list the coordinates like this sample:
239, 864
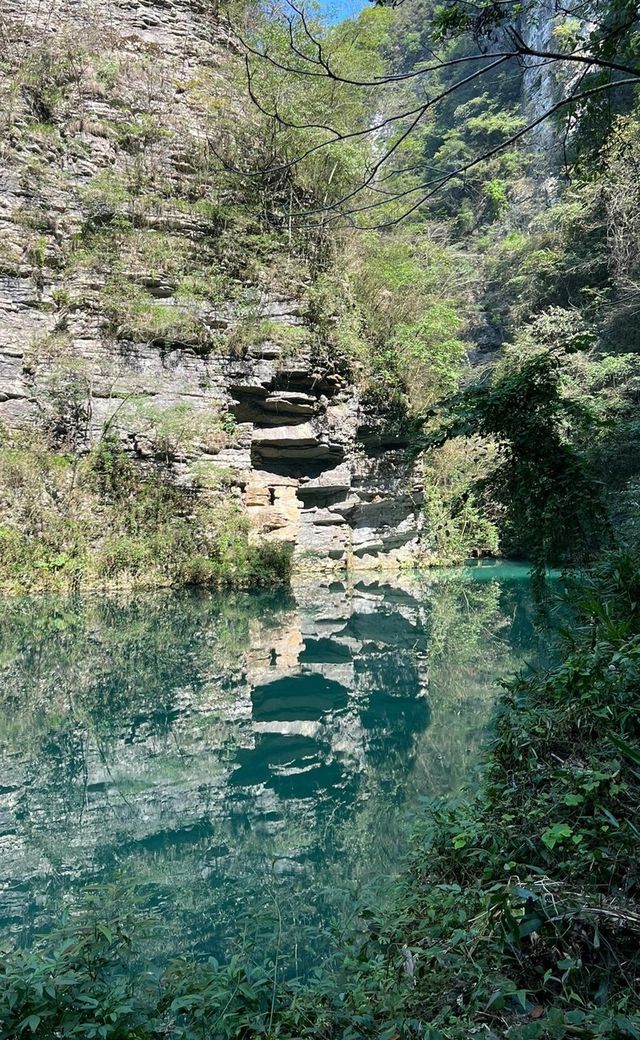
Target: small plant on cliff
134, 314
46, 76
256, 332
178, 430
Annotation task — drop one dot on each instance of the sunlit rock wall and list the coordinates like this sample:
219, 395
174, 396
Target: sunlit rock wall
544, 83
131, 98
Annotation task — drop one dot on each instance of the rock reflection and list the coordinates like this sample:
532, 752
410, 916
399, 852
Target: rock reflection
204, 742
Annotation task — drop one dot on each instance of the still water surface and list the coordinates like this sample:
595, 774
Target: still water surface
241, 756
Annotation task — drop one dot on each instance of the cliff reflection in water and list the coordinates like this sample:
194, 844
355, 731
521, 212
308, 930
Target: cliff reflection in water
219, 747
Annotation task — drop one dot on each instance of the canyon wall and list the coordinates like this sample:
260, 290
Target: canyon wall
141, 300
545, 83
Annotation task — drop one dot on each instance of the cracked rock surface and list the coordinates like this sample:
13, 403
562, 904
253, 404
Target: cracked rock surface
132, 104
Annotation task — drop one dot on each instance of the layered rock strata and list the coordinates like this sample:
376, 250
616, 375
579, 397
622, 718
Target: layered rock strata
124, 307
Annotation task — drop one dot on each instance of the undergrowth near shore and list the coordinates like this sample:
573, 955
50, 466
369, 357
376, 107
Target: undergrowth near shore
103, 520
517, 916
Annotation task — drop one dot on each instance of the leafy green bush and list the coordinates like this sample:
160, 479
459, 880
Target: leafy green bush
124, 553
457, 522
496, 192
46, 78
81, 984
397, 316
550, 501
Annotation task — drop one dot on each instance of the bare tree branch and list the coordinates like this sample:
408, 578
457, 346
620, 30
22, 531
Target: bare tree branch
317, 64
379, 81
487, 155
417, 113
575, 56
409, 130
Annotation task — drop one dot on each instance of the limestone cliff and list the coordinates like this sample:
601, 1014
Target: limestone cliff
544, 83
139, 297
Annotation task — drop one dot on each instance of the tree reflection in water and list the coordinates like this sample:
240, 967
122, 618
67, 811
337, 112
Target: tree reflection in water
233, 751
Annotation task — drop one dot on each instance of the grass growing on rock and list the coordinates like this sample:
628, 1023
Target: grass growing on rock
69, 522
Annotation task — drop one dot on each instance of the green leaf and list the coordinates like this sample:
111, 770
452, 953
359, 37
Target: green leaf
496, 1000
573, 799
567, 964
632, 753
556, 834
32, 1022
183, 1003
530, 924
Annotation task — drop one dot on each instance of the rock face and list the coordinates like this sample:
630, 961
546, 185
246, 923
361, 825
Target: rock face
316, 480
124, 308
545, 83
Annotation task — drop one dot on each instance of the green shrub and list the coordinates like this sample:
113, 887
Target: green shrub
396, 316
124, 553
496, 192
457, 523
543, 485
105, 519
133, 313
105, 198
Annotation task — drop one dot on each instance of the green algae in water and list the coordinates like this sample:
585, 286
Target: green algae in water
253, 762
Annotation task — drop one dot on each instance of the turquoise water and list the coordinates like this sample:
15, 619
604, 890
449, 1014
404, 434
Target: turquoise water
241, 757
